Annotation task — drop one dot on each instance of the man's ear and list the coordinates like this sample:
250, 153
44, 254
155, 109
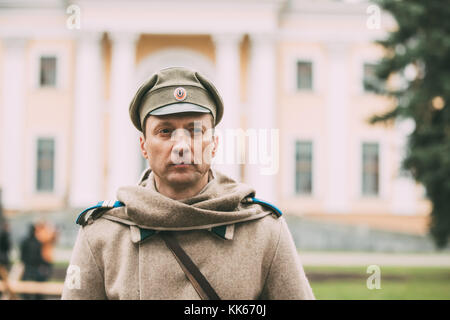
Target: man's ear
142, 143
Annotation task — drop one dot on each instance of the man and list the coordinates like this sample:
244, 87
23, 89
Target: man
47, 235
239, 244
34, 263
5, 263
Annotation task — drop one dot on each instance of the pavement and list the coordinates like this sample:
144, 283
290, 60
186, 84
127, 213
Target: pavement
376, 258
345, 258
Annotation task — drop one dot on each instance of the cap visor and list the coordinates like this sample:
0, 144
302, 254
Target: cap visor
178, 108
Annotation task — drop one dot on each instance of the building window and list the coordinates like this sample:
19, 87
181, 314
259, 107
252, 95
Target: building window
45, 171
304, 75
370, 169
368, 75
303, 167
47, 71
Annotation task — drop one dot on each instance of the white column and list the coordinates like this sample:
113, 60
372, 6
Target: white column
337, 99
11, 122
228, 84
124, 155
262, 119
87, 170
404, 201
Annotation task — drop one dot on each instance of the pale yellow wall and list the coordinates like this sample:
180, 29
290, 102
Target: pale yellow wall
149, 44
362, 107
203, 44
300, 115
49, 112
324, 23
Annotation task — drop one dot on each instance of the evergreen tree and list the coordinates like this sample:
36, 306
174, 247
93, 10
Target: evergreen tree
418, 53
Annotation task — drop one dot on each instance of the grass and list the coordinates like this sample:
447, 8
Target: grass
396, 283
350, 283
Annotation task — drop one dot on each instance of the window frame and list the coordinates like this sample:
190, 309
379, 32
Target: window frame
39, 82
362, 173
62, 54
305, 61
311, 54
36, 165
363, 76
62, 163
298, 192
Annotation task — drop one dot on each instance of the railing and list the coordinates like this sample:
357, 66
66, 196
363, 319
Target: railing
14, 287
33, 287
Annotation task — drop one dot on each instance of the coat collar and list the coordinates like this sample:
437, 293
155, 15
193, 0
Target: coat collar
140, 234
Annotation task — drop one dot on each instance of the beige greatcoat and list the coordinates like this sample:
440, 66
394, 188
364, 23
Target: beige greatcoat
243, 249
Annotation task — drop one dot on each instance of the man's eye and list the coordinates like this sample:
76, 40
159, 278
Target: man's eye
164, 131
197, 130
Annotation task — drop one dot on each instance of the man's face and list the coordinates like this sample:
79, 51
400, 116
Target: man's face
179, 147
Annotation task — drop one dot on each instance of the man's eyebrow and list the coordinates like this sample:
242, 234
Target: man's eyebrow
164, 123
193, 123
171, 124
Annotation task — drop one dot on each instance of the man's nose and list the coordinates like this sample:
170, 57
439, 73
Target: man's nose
181, 149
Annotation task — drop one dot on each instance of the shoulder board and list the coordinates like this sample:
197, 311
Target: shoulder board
107, 204
277, 211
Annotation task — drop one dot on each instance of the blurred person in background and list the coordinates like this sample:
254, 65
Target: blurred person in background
37, 254
5, 247
47, 236
31, 256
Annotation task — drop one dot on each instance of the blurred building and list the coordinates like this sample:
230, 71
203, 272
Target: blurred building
70, 68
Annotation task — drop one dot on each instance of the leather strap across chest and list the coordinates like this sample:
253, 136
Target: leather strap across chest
198, 280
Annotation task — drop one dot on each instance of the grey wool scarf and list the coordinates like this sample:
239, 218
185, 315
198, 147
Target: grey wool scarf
222, 201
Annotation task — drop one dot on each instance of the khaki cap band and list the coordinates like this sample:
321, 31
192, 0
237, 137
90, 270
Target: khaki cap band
164, 96
178, 108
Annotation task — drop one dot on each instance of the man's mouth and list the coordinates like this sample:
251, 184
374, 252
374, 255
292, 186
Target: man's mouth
180, 165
